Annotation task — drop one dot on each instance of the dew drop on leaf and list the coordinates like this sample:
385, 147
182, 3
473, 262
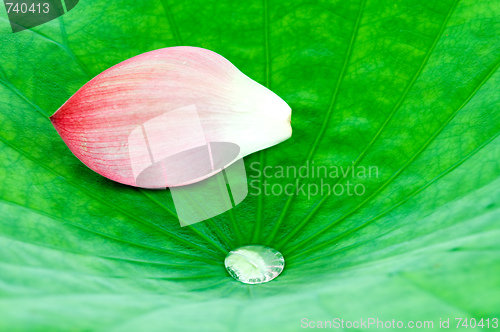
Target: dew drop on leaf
254, 264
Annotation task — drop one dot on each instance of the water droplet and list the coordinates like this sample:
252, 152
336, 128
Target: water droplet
254, 264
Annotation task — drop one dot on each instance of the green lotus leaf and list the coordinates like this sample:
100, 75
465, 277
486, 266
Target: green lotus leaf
403, 92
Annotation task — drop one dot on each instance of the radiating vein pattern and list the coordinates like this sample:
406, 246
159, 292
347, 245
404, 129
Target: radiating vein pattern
405, 88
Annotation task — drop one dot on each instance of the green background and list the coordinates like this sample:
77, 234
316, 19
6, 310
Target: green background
409, 86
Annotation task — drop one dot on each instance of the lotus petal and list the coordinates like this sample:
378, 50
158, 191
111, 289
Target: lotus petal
170, 117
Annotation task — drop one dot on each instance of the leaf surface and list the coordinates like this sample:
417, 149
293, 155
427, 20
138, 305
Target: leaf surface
407, 89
